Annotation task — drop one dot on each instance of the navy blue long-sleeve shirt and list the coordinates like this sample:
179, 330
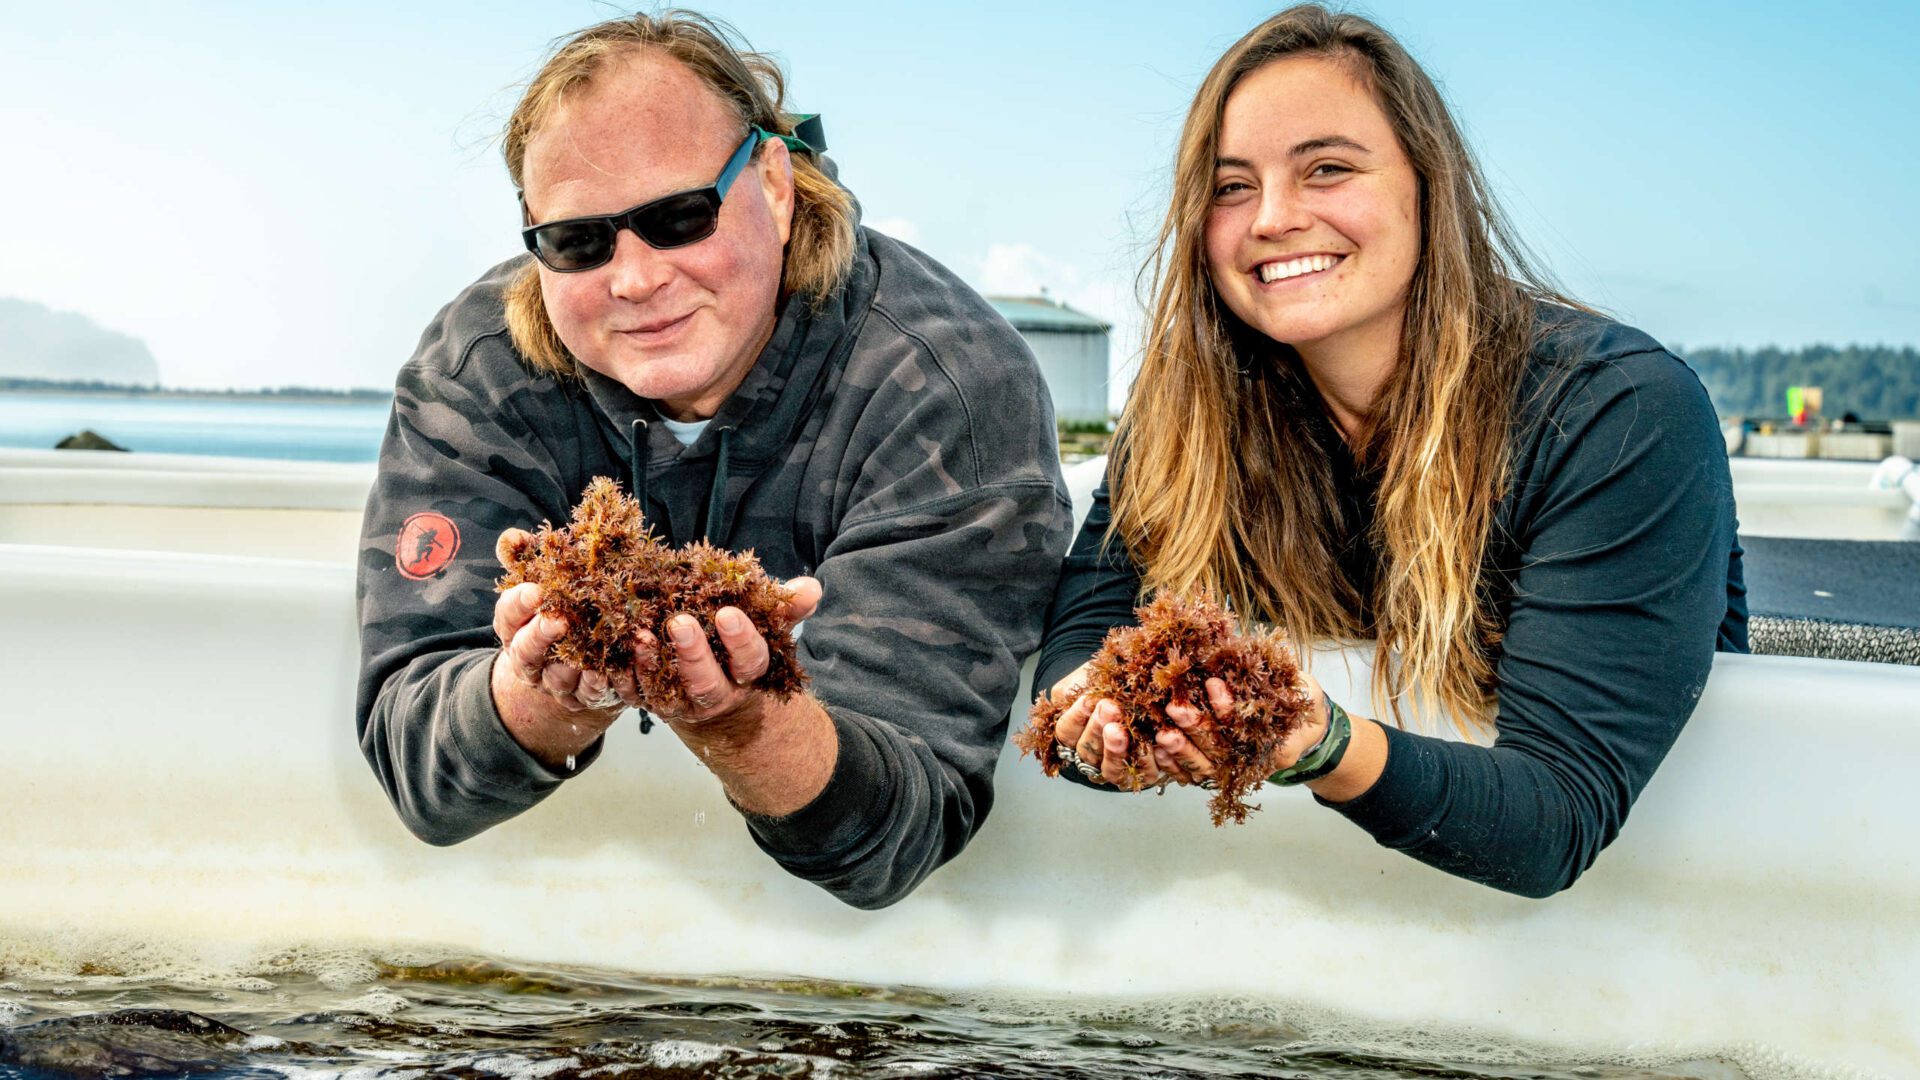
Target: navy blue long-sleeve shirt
1616, 575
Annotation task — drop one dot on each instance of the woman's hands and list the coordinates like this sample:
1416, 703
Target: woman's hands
1091, 731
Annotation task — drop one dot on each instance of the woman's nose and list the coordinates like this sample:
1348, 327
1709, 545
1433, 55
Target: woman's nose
1281, 211
637, 269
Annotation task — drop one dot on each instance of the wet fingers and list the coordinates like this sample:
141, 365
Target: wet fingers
514, 609
747, 655
806, 598
597, 692
1067, 729
1220, 699
705, 684
527, 648
1193, 764
509, 543
623, 684
1115, 767
1091, 745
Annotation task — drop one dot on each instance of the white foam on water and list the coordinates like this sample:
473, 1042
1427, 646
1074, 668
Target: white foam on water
12, 1010
683, 1053
378, 1001
100, 960
356, 1073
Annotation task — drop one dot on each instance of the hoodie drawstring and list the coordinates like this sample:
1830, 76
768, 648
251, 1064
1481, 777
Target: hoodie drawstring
637, 487
717, 494
636, 464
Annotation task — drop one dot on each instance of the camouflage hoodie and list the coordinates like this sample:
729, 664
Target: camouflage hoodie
896, 442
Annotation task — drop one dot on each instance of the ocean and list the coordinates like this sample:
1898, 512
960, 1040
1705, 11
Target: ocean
292, 428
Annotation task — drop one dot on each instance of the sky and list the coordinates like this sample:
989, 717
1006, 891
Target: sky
274, 194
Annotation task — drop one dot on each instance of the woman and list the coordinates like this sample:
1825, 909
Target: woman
1361, 415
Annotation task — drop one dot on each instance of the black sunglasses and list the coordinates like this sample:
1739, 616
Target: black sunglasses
671, 221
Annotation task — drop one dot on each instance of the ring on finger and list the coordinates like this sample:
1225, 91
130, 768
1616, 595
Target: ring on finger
701, 701
606, 699
1087, 768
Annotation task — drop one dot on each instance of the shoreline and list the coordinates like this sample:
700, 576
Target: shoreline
314, 396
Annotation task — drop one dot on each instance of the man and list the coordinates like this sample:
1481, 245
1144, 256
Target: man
702, 318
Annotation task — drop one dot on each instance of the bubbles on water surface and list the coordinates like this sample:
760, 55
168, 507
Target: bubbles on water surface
682, 1054
520, 1067
379, 1002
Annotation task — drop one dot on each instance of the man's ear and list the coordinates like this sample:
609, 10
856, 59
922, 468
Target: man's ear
776, 185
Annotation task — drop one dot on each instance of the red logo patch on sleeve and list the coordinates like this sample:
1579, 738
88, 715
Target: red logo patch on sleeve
427, 543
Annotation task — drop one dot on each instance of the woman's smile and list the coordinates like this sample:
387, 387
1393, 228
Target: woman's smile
1295, 268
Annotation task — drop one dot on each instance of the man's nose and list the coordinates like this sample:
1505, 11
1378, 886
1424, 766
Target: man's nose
637, 269
1281, 211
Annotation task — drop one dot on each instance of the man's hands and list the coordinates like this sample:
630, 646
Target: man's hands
717, 692
555, 711
525, 637
772, 756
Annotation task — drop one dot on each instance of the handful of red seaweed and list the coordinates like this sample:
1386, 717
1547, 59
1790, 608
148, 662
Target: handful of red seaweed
1169, 657
609, 579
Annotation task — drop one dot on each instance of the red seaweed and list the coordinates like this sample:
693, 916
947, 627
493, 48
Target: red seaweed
1179, 644
608, 578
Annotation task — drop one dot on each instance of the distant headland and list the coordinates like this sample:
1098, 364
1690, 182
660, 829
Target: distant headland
37, 342
63, 352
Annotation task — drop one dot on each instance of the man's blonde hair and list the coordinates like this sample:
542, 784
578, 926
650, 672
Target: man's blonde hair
820, 247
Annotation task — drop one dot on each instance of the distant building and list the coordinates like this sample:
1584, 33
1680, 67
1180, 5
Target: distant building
1072, 349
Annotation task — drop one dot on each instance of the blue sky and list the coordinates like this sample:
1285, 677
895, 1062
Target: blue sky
285, 194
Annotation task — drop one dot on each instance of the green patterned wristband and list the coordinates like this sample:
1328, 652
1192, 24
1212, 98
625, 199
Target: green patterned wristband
1324, 756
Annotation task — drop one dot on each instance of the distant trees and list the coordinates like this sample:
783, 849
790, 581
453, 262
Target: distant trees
1875, 382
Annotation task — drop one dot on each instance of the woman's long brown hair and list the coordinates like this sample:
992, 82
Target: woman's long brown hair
1226, 482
